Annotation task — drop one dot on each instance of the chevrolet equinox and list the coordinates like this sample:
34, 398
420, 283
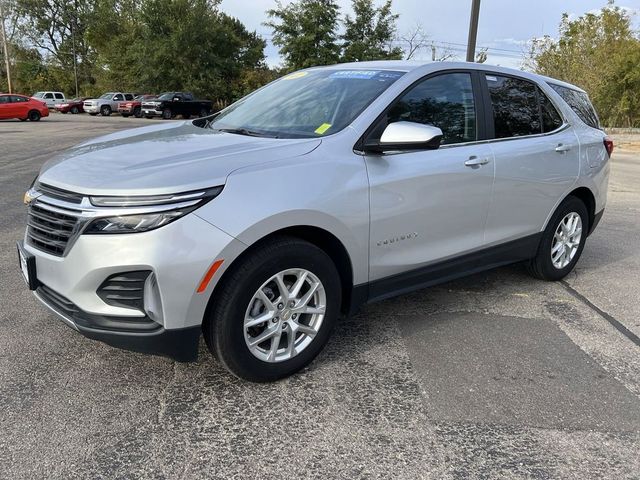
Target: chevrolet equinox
257, 227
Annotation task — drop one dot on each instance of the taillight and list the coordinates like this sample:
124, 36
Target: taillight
608, 145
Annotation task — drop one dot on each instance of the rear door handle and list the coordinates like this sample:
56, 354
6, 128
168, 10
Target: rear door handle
476, 162
563, 148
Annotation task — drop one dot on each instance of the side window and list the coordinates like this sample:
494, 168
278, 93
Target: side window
128, 96
59, 96
17, 99
118, 97
515, 106
5, 99
48, 95
579, 103
445, 101
551, 119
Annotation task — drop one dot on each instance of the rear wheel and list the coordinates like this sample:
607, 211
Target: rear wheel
105, 110
34, 116
562, 241
274, 311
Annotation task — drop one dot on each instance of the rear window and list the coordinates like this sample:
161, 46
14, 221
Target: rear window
579, 103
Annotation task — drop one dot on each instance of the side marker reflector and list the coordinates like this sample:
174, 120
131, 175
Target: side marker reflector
209, 275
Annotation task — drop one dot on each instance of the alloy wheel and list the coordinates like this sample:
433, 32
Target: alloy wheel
566, 240
284, 315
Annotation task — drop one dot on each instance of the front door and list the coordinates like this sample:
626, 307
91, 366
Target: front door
429, 205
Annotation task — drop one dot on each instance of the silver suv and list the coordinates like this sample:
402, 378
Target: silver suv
259, 226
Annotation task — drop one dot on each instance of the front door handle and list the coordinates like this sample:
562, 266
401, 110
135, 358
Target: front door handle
476, 162
563, 148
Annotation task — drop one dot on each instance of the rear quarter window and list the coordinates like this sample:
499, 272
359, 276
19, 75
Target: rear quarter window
579, 103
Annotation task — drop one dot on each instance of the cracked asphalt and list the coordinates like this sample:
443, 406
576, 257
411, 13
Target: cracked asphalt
493, 376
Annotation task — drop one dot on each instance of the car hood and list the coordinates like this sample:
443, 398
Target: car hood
167, 158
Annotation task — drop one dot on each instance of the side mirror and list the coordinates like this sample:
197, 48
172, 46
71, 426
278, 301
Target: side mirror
401, 136
176, 99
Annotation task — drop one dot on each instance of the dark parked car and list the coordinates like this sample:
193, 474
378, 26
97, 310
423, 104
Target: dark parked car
170, 104
74, 106
134, 107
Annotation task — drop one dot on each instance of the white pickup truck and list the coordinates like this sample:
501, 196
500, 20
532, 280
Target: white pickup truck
106, 104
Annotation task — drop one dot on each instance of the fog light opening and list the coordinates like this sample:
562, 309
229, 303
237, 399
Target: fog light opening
152, 300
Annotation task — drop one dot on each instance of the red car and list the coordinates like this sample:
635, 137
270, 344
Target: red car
133, 107
74, 106
22, 107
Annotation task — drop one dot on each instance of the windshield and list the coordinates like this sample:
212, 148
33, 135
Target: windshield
38, 95
107, 95
166, 96
306, 104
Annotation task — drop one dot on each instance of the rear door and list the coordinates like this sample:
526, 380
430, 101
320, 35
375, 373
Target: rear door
536, 157
431, 204
20, 106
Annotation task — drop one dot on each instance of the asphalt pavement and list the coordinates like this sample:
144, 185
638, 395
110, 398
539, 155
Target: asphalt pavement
496, 375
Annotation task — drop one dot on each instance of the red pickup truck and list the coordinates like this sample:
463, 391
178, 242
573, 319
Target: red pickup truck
133, 107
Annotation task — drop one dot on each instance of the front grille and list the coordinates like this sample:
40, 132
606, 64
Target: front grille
49, 231
58, 193
88, 104
124, 289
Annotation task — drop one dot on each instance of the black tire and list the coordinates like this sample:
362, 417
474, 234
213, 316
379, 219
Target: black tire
105, 110
137, 112
167, 114
203, 113
224, 326
75, 110
125, 115
34, 116
541, 266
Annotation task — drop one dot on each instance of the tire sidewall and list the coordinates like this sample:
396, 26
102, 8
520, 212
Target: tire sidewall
105, 110
229, 329
571, 204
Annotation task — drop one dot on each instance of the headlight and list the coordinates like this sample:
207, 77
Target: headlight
146, 212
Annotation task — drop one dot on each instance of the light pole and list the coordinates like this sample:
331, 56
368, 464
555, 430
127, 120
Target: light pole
473, 30
5, 49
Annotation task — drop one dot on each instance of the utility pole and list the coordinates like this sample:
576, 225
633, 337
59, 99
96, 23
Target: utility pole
473, 30
73, 43
5, 49
433, 52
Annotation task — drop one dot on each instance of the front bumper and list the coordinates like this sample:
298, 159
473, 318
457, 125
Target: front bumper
147, 112
92, 109
179, 256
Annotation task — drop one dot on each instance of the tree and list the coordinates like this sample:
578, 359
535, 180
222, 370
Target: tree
369, 35
306, 32
600, 53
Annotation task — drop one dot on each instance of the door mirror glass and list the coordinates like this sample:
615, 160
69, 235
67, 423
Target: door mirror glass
406, 136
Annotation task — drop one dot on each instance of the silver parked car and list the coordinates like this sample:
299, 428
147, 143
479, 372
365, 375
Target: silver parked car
328, 188
106, 104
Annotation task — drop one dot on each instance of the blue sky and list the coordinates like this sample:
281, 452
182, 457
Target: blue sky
505, 25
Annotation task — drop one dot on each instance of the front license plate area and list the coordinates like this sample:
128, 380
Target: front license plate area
27, 263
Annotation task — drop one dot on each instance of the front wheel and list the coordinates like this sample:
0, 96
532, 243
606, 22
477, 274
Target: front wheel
75, 110
137, 112
166, 114
105, 110
562, 241
274, 311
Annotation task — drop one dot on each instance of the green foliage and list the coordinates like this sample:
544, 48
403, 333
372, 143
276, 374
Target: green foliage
306, 32
369, 34
600, 53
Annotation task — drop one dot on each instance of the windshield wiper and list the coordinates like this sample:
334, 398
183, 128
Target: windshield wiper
244, 131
